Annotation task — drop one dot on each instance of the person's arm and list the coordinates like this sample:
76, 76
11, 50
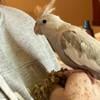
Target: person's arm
78, 87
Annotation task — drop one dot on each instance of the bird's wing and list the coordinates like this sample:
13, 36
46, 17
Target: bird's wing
79, 50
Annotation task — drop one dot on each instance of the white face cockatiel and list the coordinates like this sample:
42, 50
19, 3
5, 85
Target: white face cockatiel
73, 45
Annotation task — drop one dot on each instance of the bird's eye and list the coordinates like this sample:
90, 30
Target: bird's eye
44, 21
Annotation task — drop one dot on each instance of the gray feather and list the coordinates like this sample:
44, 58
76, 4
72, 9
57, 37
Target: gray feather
83, 44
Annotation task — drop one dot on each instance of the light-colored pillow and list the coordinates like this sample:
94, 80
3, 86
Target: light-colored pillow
21, 50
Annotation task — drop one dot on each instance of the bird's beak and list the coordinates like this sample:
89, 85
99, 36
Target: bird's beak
36, 28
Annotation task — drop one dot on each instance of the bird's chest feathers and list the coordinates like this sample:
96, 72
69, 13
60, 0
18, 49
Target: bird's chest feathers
56, 45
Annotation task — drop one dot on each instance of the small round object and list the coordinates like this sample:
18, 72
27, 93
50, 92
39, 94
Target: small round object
44, 21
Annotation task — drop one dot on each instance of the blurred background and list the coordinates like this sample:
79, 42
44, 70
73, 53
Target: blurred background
73, 11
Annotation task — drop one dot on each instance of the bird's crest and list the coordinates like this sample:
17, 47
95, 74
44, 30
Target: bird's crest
47, 9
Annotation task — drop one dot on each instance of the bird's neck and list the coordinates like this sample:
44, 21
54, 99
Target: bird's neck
53, 36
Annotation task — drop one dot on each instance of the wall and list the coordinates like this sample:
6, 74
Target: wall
73, 11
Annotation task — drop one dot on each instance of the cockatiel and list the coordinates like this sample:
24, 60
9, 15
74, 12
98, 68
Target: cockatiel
73, 45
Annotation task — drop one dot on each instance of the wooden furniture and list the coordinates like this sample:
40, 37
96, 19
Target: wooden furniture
96, 12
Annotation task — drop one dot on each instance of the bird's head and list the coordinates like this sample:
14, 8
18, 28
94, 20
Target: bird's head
46, 21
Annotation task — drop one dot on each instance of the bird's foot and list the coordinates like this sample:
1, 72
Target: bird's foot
90, 74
